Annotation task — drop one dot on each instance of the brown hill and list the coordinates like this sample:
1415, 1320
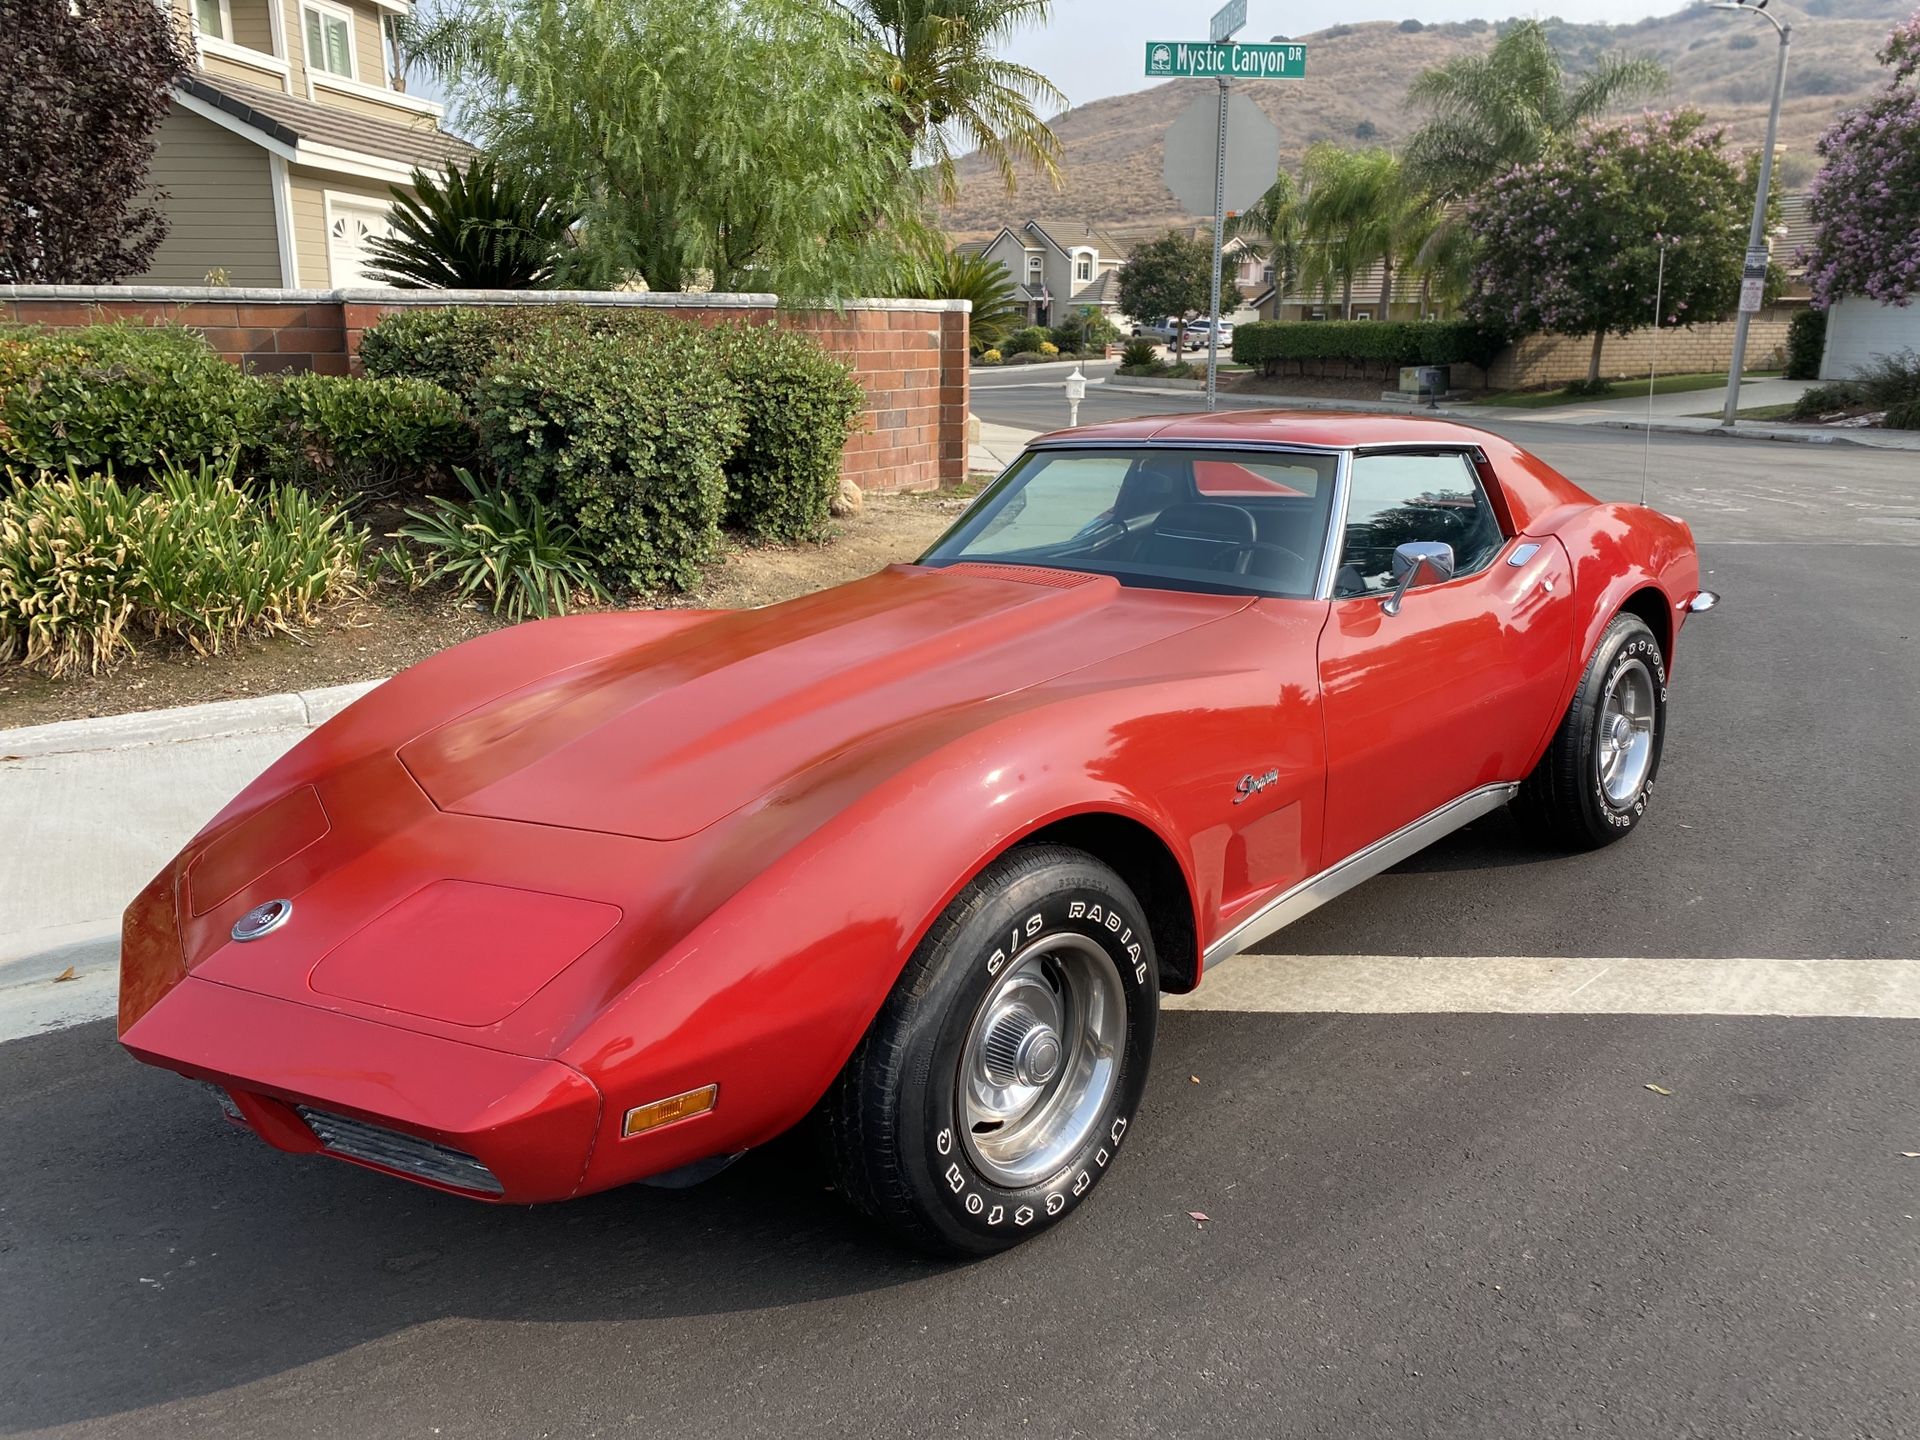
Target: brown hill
1356, 84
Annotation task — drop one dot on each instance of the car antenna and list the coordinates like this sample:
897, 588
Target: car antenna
1653, 361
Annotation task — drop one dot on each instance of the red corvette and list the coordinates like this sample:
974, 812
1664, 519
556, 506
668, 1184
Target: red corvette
620, 896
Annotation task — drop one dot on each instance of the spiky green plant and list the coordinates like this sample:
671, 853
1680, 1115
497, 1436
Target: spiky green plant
472, 228
507, 547
952, 275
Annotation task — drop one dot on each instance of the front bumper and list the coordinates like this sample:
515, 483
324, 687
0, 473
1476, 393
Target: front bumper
314, 1081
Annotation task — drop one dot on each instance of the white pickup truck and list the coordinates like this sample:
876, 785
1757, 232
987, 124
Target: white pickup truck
1166, 331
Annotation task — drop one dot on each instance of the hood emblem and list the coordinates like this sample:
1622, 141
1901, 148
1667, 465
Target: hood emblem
262, 920
1252, 785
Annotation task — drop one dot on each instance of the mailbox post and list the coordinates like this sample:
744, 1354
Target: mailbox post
1076, 392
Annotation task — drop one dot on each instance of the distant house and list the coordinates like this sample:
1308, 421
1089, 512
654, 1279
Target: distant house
278, 155
1058, 266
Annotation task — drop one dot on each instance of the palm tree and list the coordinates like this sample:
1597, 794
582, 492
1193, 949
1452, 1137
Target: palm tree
953, 92
1276, 224
1494, 111
954, 275
473, 228
1356, 207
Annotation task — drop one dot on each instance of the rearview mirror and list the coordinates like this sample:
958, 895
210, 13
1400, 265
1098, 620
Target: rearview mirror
1434, 557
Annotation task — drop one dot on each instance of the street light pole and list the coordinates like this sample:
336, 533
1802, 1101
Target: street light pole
1757, 232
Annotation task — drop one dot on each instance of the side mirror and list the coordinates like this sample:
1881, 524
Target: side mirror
1434, 557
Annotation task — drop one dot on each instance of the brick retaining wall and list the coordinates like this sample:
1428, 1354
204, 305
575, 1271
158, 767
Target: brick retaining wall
910, 355
1541, 360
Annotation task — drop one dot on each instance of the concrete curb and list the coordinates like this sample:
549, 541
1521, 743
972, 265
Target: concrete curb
301, 710
1771, 432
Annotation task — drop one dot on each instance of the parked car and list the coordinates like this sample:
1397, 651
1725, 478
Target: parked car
1196, 333
620, 896
1164, 331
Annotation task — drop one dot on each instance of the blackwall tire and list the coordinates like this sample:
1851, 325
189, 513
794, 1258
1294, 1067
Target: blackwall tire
994, 1089
1594, 784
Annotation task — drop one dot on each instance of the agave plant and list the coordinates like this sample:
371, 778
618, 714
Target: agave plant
472, 228
510, 548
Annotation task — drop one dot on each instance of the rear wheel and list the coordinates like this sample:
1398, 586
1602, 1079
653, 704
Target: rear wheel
994, 1088
1594, 783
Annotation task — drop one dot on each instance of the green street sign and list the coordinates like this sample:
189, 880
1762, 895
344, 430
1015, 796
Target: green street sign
1168, 59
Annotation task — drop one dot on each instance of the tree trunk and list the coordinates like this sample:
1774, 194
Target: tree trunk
1386, 286
1593, 363
1346, 296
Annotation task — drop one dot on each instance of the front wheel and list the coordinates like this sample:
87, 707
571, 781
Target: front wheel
1593, 785
996, 1085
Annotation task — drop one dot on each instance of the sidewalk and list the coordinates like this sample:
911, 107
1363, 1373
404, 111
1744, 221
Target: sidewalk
91, 810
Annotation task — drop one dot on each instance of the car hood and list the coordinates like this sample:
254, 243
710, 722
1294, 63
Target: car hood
661, 739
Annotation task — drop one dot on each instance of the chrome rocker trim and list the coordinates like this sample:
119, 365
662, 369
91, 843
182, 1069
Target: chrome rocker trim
1310, 894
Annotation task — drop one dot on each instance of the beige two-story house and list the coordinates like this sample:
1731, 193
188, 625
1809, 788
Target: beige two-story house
279, 154
1057, 266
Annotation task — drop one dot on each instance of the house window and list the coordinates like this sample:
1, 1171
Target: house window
329, 37
1034, 263
1083, 268
210, 18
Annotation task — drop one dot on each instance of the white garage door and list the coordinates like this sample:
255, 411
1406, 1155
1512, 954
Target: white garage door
1860, 331
350, 225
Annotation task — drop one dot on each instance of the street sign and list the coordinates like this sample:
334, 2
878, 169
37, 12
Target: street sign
1172, 59
1753, 280
1231, 17
1253, 154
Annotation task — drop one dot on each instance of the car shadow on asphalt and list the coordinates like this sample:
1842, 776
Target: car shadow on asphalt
239, 1261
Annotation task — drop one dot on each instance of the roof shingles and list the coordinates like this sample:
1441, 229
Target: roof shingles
293, 121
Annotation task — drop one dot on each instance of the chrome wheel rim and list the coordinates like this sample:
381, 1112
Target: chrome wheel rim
1042, 1060
1626, 733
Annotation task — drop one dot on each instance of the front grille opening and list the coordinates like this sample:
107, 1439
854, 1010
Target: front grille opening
408, 1154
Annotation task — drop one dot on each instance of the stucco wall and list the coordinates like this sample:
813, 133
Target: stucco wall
909, 355
1859, 331
220, 203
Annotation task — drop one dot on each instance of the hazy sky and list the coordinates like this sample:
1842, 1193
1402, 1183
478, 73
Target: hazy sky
1095, 47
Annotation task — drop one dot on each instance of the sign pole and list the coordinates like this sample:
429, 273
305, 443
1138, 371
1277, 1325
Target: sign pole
1219, 229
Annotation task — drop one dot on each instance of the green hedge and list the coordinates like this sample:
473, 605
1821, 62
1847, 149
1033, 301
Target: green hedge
1806, 343
124, 397
1384, 343
798, 407
365, 436
451, 346
625, 435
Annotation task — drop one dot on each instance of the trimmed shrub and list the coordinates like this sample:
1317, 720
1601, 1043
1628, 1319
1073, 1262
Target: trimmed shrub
1026, 341
451, 346
798, 405
1806, 342
123, 397
991, 356
1904, 416
88, 564
359, 437
1386, 344
624, 435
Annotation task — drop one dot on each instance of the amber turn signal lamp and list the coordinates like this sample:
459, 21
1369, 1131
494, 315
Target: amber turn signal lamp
653, 1115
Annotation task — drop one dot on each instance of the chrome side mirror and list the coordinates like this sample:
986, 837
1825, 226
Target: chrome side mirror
1434, 557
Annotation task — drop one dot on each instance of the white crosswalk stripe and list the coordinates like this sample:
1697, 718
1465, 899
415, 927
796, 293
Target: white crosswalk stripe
1555, 985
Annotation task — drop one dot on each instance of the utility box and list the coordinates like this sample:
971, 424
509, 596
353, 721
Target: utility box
1423, 379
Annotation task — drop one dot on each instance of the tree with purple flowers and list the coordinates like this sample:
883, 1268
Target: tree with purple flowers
1865, 202
1571, 243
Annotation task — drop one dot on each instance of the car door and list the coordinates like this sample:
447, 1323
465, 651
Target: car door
1456, 690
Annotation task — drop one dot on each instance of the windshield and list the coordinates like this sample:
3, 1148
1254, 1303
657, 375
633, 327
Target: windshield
1235, 521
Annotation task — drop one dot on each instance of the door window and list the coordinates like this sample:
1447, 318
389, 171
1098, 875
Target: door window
1397, 498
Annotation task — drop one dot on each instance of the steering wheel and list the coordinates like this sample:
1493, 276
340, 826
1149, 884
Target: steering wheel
1230, 559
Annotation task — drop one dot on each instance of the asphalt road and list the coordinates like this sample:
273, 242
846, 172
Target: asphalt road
1439, 1224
